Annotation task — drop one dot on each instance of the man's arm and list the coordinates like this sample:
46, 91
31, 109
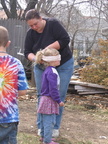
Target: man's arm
22, 92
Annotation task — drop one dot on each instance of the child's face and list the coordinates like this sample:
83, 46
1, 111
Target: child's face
54, 63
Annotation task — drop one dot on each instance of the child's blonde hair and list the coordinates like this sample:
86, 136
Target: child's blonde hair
4, 36
45, 52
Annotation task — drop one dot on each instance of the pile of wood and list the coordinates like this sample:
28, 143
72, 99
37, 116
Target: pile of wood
84, 88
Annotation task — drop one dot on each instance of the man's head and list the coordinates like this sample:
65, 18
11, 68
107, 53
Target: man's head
32, 14
35, 21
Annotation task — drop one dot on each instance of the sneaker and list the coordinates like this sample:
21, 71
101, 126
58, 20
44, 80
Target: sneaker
55, 133
52, 142
39, 131
41, 139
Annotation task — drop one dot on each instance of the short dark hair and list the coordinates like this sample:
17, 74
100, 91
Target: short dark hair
4, 36
31, 14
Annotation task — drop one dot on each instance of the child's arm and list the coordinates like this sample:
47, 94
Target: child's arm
61, 104
22, 92
22, 81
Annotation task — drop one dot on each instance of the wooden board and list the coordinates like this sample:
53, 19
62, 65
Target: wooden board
82, 88
87, 84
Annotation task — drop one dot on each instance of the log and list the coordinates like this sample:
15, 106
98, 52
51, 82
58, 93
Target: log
84, 88
87, 84
94, 92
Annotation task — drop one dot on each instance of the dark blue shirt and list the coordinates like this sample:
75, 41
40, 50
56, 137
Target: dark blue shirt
53, 31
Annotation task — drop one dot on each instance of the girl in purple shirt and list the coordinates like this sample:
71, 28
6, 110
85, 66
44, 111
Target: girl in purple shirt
50, 97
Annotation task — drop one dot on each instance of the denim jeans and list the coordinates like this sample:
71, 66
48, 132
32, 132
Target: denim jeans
65, 72
8, 133
47, 126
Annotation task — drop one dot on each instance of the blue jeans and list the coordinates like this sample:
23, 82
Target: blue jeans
65, 72
47, 126
8, 133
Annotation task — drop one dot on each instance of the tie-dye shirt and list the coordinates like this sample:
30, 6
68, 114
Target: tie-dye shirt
12, 79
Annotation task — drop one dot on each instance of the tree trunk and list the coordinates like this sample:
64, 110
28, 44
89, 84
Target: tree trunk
13, 9
31, 5
5, 8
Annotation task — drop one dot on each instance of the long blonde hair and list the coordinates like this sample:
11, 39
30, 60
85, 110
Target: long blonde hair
45, 52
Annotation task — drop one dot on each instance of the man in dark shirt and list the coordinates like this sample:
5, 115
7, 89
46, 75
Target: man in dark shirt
51, 34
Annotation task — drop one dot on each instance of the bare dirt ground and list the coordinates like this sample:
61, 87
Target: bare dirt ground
78, 125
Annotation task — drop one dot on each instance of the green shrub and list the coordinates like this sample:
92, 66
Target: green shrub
97, 71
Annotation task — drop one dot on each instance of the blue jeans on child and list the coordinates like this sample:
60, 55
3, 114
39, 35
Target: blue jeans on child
8, 133
47, 122
65, 72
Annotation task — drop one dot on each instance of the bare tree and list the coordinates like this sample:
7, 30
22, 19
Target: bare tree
11, 11
30, 5
14, 9
100, 6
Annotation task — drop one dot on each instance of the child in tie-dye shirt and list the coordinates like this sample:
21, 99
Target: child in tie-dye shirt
12, 84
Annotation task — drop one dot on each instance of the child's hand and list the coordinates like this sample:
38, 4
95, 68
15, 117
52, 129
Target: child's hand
61, 104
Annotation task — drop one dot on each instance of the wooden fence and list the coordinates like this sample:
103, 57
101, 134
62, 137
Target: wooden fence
17, 32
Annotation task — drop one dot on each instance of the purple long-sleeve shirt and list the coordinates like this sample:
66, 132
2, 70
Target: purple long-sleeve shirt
50, 84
